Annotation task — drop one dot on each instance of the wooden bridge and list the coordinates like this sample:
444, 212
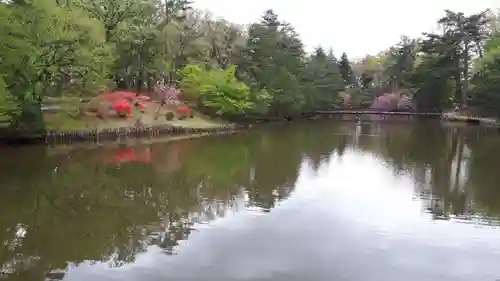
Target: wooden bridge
373, 112
451, 116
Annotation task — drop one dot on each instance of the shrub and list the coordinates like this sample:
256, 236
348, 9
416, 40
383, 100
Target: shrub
8, 107
217, 92
123, 108
183, 111
169, 116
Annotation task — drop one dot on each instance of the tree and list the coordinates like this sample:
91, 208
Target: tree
485, 93
461, 36
432, 84
401, 61
346, 70
48, 49
273, 60
112, 13
322, 81
7, 106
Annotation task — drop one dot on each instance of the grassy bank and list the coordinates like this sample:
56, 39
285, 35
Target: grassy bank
64, 124
65, 119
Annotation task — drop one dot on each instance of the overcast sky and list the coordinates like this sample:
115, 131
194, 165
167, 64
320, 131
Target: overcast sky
357, 27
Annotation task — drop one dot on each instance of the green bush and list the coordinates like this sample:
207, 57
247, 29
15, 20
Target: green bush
217, 92
169, 116
8, 107
484, 96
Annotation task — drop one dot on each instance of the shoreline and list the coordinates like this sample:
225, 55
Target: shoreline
134, 141
123, 134
171, 133
98, 136
484, 121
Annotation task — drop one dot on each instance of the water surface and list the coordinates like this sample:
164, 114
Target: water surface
319, 201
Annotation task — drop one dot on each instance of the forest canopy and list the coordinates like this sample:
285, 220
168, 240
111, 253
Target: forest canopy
82, 48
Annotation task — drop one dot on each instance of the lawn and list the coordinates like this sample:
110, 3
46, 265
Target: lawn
65, 120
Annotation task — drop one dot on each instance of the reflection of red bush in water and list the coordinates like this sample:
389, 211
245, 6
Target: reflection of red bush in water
129, 154
166, 163
175, 157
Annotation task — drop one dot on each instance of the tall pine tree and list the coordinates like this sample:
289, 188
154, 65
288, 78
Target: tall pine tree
346, 70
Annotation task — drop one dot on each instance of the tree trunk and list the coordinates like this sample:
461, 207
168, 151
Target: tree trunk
150, 84
479, 50
139, 82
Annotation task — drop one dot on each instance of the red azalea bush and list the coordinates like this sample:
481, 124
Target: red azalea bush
183, 111
123, 108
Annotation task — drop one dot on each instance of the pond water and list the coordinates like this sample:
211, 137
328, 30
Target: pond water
321, 201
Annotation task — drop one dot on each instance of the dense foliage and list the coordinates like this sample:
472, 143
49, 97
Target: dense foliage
82, 47
216, 91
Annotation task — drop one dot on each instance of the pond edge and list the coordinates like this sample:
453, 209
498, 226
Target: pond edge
180, 132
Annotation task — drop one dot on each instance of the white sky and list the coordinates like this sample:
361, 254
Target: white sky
357, 27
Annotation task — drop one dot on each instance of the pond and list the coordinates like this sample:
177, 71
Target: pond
323, 201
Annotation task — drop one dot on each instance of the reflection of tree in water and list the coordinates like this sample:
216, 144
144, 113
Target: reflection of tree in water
277, 160
80, 208
275, 168
438, 159
73, 207
484, 172
321, 140
84, 211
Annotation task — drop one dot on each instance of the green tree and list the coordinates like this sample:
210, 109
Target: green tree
322, 82
346, 70
401, 61
432, 84
273, 60
7, 106
461, 36
485, 93
47, 48
112, 13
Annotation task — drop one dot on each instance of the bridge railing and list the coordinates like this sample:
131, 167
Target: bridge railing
378, 112
448, 116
